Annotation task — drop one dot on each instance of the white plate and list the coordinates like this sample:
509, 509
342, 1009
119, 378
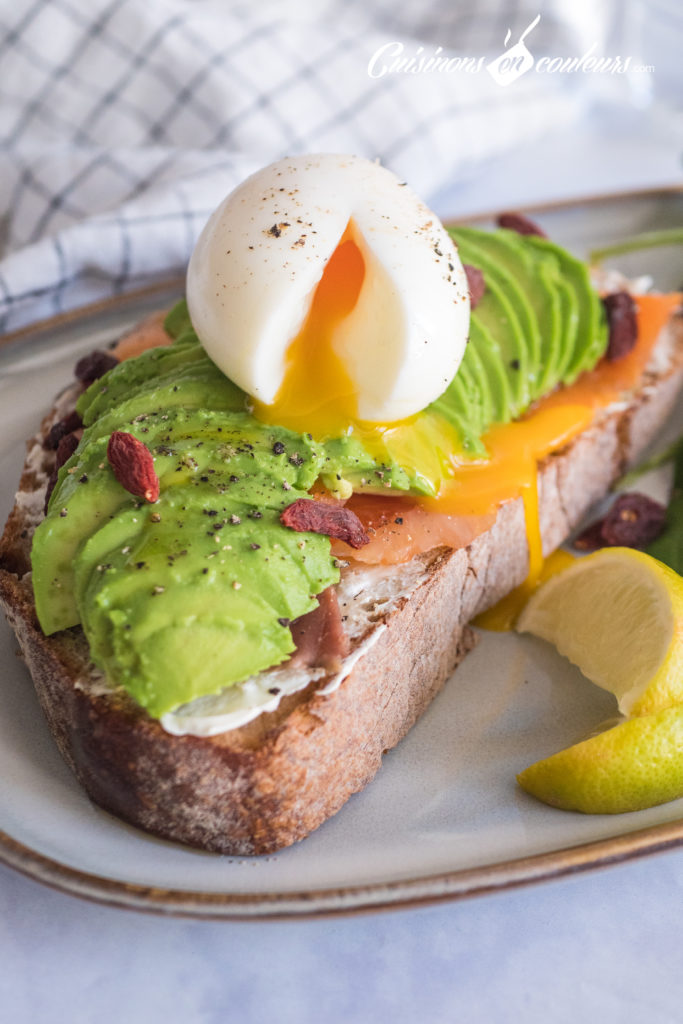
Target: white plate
443, 818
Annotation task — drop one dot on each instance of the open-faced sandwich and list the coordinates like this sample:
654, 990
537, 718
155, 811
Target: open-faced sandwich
249, 538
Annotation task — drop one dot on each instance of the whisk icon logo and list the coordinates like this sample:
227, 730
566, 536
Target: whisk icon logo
516, 61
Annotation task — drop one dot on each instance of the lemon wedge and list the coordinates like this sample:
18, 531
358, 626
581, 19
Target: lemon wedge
618, 615
635, 765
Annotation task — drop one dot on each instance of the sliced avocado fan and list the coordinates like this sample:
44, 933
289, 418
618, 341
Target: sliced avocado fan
195, 592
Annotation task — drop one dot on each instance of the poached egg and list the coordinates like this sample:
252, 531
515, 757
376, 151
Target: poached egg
330, 293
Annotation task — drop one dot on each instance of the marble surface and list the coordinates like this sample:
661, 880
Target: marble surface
603, 945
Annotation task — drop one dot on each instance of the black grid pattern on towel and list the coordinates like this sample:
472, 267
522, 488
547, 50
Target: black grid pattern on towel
124, 123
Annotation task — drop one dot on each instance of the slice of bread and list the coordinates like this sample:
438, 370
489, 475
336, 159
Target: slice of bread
269, 783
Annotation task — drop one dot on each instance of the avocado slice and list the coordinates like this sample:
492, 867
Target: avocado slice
493, 362
537, 273
150, 367
507, 317
76, 510
461, 405
194, 387
515, 265
585, 311
473, 364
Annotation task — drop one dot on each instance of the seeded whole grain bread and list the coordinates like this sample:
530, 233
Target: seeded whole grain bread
267, 784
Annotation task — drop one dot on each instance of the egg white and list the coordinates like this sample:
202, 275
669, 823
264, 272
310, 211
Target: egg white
255, 268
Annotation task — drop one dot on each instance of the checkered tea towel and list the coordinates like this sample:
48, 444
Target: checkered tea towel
123, 123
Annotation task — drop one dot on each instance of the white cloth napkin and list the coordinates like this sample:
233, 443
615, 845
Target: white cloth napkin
124, 123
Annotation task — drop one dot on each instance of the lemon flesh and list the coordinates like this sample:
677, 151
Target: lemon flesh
635, 765
618, 616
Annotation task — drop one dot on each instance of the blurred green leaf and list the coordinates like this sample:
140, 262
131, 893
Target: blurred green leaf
649, 240
668, 547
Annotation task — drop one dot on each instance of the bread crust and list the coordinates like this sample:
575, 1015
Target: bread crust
263, 786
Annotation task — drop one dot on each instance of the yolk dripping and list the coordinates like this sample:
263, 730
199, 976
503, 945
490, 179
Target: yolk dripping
467, 503
519, 447
317, 395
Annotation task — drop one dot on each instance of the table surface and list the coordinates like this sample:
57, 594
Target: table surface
603, 945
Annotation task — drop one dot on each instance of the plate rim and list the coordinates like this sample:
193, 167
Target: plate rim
398, 894
347, 900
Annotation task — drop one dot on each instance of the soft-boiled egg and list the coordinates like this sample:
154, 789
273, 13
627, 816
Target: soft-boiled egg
328, 291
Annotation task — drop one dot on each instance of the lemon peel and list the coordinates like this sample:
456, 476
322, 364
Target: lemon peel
632, 766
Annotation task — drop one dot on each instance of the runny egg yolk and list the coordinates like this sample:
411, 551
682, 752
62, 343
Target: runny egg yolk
317, 395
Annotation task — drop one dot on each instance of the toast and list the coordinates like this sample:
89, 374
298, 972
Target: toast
270, 782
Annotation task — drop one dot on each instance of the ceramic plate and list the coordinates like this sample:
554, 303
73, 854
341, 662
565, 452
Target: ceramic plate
443, 819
